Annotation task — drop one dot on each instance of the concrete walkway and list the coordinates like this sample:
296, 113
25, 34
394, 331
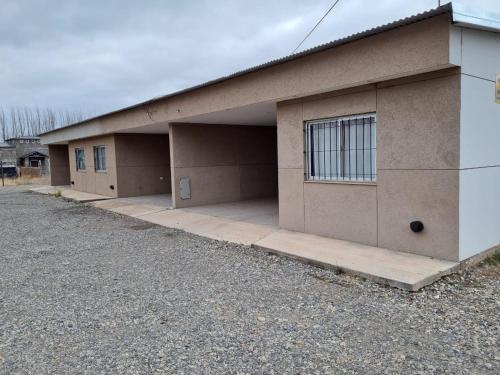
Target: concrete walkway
402, 270
215, 221
243, 223
68, 193
254, 223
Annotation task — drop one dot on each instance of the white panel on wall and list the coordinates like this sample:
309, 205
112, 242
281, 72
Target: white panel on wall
479, 124
480, 53
455, 45
479, 210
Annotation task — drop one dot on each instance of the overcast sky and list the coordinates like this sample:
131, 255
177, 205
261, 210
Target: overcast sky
95, 56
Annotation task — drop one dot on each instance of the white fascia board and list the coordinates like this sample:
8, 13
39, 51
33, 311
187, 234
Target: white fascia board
476, 18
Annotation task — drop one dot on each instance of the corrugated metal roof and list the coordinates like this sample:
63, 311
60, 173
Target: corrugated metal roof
444, 9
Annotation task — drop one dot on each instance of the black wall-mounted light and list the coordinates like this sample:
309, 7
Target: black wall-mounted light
72, 182
416, 226
112, 187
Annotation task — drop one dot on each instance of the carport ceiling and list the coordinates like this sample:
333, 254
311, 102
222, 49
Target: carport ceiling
262, 114
160, 128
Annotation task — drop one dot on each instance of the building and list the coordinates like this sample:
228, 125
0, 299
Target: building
30, 153
388, 138
8, 160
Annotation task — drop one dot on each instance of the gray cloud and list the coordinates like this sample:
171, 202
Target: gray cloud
97, 56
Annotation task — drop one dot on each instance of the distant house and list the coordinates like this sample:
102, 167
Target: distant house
30, 153
8, 158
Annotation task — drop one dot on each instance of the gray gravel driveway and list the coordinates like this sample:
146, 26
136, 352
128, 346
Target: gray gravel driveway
88, 291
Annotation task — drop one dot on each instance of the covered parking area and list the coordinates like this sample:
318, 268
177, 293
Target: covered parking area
126, 164
221, 164
225, 164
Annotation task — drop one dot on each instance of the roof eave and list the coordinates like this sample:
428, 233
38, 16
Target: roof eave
444, 9
472, 17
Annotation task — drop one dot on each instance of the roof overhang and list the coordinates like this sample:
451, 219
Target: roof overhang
460, 15
475, 18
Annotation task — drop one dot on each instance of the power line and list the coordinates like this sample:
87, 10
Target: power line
315, 26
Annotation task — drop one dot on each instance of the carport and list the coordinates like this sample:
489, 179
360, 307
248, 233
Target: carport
133, 163
224, 164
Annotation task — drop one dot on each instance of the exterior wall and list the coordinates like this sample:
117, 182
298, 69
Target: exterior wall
385, 56
479, 140
142, 164
417, 167
59, 165
89, 180
8, 155
223, 163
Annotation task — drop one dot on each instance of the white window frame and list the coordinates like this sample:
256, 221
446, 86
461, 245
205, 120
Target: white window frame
340, 150
100, 158
80, 167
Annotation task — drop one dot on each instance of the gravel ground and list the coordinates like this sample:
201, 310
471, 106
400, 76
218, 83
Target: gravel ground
87, 291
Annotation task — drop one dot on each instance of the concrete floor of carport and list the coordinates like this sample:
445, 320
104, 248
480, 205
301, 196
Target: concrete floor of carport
243, 222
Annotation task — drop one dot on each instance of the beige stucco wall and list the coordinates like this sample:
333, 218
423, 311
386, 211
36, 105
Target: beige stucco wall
420, 47
223, 163
59, 165
89, 180
142, 164
417, 161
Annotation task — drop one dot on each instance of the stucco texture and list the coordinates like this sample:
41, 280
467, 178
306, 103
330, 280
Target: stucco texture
417, 161
90, 180
142, 164
223, 163
413, 49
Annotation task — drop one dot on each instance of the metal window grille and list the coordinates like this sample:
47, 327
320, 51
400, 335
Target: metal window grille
100, 158
341, 149
80, 159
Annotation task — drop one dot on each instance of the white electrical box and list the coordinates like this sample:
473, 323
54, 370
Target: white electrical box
185, 188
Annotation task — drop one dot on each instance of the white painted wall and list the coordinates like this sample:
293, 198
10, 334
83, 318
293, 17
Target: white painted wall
479, 201
479, 123
480, 53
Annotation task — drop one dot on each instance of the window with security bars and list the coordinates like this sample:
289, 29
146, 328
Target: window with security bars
100, 158
341, 149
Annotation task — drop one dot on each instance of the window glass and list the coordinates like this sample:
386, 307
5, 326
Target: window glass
80, 159
100, 158
341, 148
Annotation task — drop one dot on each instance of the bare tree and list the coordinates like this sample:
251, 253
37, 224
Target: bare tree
3, 124
27, 121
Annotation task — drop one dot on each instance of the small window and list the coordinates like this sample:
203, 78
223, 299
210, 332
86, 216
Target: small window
341, 149
100, 158
80, 159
